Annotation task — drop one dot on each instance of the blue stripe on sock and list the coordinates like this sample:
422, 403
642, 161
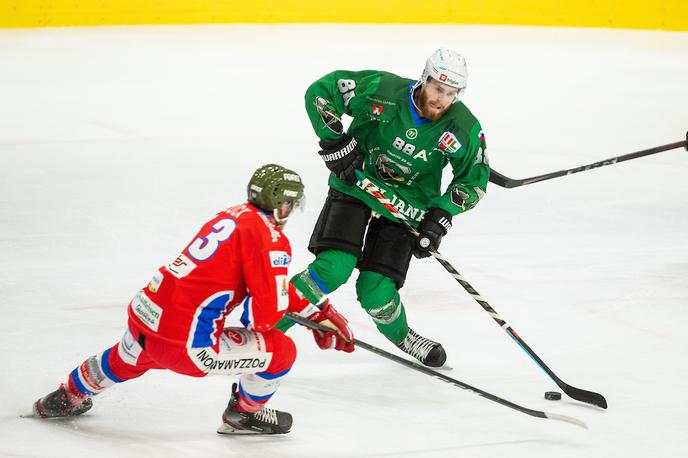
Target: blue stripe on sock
80, 386
105, 365
252, 397
270, 376
318, 281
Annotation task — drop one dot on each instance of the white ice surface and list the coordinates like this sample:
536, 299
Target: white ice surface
116, 143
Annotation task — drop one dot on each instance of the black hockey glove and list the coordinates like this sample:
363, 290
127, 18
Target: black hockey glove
434, 226
342, 157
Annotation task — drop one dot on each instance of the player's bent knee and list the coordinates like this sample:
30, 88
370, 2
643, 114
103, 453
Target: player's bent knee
283, 351
330, 270
334, 266
374, 289
242, 351
380, 299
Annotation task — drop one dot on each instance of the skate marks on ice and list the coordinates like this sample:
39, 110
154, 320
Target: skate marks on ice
100, 435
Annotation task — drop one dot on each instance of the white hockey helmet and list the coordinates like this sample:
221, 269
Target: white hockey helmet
446, 66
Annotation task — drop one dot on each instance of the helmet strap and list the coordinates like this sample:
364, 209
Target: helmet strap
280, 221
413, 95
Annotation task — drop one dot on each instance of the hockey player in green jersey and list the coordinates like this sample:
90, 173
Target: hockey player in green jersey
403, 134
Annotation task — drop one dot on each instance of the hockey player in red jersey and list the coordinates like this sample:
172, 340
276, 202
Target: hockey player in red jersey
176, 322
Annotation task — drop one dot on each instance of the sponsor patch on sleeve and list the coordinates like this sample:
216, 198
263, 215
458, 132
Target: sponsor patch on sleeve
156, 281
181, 267
279, 259
449, 143
282, 283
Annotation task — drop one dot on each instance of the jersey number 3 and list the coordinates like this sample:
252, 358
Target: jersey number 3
203, 248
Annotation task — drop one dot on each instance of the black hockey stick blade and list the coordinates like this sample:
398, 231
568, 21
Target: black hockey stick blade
589, 397
426, 370
506, 182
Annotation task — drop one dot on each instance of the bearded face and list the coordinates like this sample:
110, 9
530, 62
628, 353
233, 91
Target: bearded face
435, 98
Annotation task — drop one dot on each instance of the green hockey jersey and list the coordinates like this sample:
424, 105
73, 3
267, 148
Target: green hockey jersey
404, 153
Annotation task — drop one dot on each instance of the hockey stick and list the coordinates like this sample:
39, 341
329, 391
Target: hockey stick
420, 368
589, 397
506, 182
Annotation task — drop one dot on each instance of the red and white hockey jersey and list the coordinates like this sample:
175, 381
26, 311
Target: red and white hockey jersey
238, 255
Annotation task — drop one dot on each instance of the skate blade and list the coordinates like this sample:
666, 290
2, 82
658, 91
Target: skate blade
227, 429
33, 414
230, 430
29, 414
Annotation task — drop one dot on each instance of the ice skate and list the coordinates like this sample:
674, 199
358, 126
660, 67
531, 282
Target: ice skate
58, 405
267, 421
424, 350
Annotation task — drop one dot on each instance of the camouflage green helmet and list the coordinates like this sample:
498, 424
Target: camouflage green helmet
272, 184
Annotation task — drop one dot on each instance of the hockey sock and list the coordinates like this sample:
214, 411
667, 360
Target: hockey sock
92, 376
379, 297
330, 270
255, 390
73, 397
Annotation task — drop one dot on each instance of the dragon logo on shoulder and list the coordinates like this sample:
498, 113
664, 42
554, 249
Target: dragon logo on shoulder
328, 115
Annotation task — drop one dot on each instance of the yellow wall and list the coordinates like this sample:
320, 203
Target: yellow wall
645, 14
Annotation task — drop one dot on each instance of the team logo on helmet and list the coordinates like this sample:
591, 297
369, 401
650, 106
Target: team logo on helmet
443, 77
